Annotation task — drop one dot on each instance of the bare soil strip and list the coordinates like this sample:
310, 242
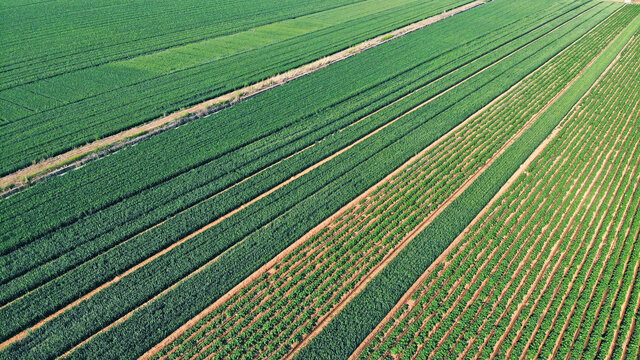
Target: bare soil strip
626, 1
80, 156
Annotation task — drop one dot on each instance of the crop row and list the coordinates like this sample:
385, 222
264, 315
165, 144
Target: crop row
523, 280
285, 220
275, 312
146, 94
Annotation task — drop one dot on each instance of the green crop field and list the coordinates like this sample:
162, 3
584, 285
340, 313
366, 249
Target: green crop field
468, 189
68, 84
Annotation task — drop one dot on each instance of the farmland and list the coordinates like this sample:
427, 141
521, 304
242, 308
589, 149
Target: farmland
64, 99
468, 189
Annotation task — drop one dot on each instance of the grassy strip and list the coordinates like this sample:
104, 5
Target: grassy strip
341, 337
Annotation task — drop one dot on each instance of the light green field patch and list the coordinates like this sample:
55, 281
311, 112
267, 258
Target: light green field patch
190, 55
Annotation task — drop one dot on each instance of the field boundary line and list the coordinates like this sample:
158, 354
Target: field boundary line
80, 156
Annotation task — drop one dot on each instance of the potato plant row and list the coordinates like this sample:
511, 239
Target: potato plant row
538, 276
81, 270
290, 212
147, 95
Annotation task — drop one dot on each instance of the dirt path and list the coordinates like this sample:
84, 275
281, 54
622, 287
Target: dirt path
82, 155
626, 1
